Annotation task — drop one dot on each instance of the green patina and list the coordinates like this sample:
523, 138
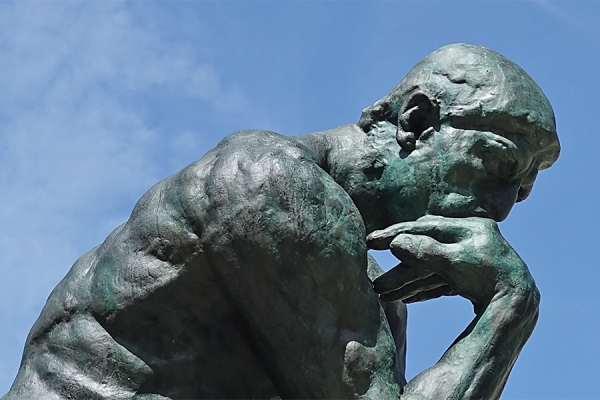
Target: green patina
272, 296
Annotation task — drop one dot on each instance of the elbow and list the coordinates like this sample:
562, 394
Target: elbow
533, 304
520, 303
527, 300
528, 307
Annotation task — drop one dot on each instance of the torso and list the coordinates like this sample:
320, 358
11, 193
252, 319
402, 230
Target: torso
186, 297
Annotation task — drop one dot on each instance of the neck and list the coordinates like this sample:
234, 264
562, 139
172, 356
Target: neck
356, 161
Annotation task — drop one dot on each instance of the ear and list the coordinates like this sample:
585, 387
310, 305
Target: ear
419, 117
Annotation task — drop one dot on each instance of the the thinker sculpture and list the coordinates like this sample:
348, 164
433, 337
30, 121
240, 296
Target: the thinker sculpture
245, 274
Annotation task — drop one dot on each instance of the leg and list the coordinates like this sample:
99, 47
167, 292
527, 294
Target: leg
396, 315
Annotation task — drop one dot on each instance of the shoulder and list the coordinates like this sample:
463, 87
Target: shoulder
272, 212
261, 181
238, 163
256, 187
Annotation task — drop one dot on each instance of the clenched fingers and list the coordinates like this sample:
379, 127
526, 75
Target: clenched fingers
440, 291
398, 277
444, 229
416, 288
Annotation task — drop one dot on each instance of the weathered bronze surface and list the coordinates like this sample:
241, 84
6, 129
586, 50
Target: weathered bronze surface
246, 274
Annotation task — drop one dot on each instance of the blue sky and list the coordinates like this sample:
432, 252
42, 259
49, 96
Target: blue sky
99, 100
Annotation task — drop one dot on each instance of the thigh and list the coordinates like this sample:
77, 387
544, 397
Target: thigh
396, 316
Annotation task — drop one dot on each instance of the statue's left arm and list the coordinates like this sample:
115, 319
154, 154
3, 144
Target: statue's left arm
468, 257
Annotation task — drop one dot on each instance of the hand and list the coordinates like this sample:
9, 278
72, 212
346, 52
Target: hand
445, 256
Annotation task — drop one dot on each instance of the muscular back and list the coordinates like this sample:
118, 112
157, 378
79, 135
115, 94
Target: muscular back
241, 276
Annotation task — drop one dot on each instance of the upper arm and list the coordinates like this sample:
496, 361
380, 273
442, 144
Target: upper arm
288, 247
274, 203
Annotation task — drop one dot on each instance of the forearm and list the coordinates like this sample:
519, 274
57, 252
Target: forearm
477, 365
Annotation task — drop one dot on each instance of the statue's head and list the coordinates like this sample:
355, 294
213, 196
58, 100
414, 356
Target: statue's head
474, 130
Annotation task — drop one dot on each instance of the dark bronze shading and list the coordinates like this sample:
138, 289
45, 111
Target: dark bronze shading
246, 274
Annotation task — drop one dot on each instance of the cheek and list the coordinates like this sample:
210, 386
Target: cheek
457, 190
450, 187
410, 183
405, 192
459, 176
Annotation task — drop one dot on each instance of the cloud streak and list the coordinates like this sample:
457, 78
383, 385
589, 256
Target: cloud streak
554, 9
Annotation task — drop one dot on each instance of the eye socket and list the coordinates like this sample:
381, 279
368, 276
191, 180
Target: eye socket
498, 157
503, 152
499, 166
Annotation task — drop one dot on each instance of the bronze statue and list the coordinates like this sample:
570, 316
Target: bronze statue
246, 274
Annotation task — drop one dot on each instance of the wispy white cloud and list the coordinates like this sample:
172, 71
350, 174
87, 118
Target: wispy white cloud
558, 11
76, 148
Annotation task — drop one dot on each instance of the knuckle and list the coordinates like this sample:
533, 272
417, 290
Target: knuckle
454, 252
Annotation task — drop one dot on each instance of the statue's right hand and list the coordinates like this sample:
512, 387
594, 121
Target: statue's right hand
445, 256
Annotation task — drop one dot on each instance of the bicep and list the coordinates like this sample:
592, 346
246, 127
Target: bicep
288, 246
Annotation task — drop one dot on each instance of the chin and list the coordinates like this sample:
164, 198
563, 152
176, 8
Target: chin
455, 205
